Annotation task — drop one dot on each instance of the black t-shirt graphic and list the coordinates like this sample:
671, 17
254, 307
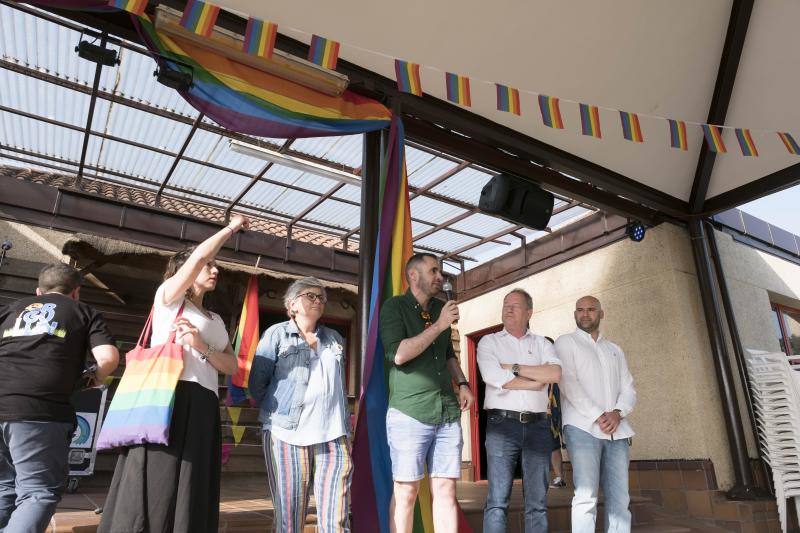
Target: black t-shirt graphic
43, 345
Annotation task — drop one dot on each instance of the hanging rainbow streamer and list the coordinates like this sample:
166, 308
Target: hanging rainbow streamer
789, 143
551, 112
244, 346
458, 89
407, 74
259, 37
247, 100
199, 17
372, 475
713, 137
590, 120
508, 99
631, 129
677, 134
324, 52
746, 143
136, 7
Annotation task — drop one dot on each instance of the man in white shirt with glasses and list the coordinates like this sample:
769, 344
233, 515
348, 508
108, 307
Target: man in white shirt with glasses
597, 394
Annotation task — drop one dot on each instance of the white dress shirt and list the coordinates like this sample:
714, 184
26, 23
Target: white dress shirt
594, 379
504, 348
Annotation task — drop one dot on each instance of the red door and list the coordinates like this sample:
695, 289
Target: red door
478, 415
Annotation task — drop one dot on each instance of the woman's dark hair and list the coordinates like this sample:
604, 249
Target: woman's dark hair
176, 262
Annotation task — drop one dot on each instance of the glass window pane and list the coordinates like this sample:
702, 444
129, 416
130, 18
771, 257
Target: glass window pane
791, 321
778, 331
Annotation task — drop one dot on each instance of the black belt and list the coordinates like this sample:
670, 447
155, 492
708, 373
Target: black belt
524, 417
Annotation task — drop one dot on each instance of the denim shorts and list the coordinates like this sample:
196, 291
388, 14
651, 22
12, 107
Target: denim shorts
414, 445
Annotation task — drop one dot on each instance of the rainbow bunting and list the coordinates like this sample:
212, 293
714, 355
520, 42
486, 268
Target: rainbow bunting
789, 143
135, 7
244, 346
458, 89
324, 52
590, 120
746, 142
259, 37
713, 137
407, 77
551, 113
507, 99
199, 17
631, 129
677, 134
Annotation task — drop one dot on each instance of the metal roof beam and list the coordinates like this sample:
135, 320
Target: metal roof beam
98, 70
255, 179
441, 179
178, 156
497, 235
772, 183
723, 89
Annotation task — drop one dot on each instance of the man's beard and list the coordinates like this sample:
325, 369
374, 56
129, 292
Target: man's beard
593, 326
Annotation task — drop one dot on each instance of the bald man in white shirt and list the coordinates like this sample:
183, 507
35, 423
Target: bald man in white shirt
517, 365
597, 396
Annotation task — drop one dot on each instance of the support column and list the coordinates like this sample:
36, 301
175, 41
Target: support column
743, 488
370, 184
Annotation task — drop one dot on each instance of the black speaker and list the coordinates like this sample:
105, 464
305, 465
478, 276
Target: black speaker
517, 201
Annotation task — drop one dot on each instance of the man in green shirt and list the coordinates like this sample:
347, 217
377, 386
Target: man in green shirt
423, 422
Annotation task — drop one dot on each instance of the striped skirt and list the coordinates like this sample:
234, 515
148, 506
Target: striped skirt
290, 472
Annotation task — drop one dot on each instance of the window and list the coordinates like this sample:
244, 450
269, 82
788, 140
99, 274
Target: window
787, 328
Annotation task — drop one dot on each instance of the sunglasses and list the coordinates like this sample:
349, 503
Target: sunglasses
313, 297
426, 316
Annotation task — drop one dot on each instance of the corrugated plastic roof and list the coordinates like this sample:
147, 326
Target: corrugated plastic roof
209, 171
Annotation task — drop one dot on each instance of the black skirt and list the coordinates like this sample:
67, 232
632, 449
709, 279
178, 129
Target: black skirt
174, 488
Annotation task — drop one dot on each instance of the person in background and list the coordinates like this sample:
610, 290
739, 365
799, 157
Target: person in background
517, 365
556, 459
298, 379
175, 487
423, 422
43, 344
598, 394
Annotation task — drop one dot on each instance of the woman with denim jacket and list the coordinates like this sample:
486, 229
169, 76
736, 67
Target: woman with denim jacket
298, 380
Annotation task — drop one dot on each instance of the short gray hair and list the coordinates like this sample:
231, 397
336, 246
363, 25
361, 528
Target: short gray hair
524, 293
299, 286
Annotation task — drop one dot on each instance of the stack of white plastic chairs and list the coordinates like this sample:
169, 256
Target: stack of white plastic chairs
775, 384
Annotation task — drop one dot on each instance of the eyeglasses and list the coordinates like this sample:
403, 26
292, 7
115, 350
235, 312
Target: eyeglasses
426, 316
313, 297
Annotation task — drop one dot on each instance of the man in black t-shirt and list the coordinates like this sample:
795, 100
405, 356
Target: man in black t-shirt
43, 345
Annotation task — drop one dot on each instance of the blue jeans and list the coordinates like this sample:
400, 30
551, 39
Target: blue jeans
33, 471
506, 441
598, 462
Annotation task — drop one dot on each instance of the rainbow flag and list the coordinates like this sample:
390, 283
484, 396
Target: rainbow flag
458, 89
372, 475
590, 120
677, 134
407, 77
259, 37
136, 7
631, 129
713, 137
247, 100
789, 143
199, 17
551, 113
244, 346
324, 52
507, 99
746, 142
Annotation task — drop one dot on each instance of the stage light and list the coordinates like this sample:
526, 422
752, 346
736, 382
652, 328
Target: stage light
635, 231
97, 54
174, 79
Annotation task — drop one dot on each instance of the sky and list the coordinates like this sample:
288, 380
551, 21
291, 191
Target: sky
781, 209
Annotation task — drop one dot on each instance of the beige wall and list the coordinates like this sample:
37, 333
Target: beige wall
653, 311
33, 244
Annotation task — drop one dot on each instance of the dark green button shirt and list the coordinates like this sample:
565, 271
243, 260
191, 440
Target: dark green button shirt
421, 388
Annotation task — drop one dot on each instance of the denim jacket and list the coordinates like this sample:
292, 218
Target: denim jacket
280, 371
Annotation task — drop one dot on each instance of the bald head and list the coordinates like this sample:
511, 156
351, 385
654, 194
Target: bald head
588, 313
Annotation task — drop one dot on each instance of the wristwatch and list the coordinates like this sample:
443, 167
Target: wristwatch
515, 370
207, 352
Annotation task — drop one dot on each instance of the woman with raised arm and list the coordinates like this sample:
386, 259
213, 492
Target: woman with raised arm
175, 488
298, 379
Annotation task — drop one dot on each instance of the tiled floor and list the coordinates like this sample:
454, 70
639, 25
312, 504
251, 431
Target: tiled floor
244, 508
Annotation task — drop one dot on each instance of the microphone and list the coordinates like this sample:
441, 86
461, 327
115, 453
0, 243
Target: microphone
447, 288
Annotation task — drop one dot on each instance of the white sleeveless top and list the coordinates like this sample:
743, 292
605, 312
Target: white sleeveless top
212, 330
